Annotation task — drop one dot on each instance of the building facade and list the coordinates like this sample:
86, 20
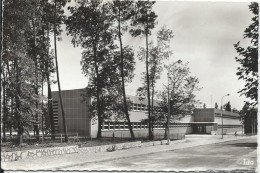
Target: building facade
202, 121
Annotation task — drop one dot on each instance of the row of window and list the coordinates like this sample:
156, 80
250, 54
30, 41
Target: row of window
138, 125
142, 107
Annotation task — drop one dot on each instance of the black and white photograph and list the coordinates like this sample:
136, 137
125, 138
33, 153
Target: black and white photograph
129, 85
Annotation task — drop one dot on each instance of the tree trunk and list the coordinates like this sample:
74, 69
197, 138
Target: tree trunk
58, 79
166, 129
148, 87
17, 100
36, 103
42, 110
1, 77
4, 106
12, 112
50, 109
122, 76
100, 119
152, 116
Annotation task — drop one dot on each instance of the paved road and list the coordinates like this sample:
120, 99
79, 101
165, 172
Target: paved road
238, 154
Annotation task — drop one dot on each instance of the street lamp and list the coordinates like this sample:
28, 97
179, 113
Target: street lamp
222, 113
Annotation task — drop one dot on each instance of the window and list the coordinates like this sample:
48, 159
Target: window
138, 107
135, 106
142, 107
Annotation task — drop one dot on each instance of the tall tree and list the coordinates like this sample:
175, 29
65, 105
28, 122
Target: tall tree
248, 57
248, 116
159, 51
62, 3
18, 62
123, 11
227, 107
143, 22
91, 25
1, 31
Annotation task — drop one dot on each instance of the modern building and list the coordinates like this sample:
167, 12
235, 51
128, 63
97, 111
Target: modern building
202, 121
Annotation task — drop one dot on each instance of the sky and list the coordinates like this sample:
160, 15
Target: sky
204, 36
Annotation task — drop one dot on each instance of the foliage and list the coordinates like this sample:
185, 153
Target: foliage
142, 23
26, 61
122, 12
247, 114
227, 107
248, 58
181, 92
159, 52
216, 105
91, 27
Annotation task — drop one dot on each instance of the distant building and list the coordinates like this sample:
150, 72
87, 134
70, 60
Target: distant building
202, 121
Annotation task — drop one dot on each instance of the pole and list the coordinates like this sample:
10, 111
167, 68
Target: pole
211, 101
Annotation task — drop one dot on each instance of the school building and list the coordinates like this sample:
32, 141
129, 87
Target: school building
201, 121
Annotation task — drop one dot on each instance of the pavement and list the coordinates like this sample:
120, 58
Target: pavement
232, 155
69, 161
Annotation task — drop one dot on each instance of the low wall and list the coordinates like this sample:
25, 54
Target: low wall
228, 130
31, 154
45, 152
143, 133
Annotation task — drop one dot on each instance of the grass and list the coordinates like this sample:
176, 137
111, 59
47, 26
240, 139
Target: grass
29, 144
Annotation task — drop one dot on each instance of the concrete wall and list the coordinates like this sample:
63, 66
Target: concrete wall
45, 152
227, 121
143, 133
229, 130
32, 154
76, 112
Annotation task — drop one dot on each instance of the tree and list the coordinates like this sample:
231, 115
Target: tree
24, 56
17, 62
123, 11
62, 3
181, 89
248, 58
227, 107
235, 110
159, 51
91, 25
248, 116
143, 22
216, 105
88, 25
1, 30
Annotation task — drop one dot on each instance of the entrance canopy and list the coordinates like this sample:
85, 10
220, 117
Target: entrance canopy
203, 127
